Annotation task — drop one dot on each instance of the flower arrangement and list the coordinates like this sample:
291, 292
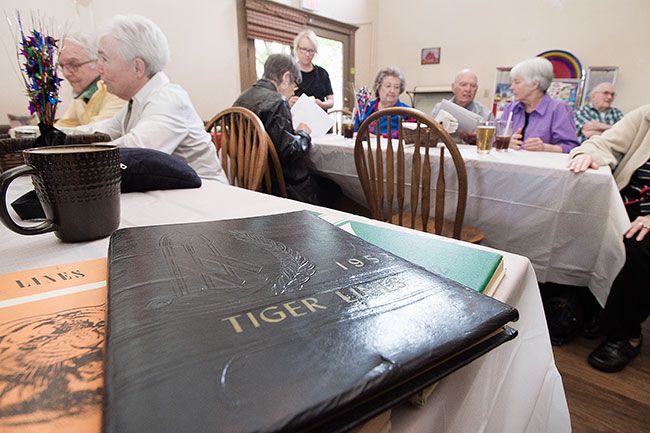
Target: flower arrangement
37, 54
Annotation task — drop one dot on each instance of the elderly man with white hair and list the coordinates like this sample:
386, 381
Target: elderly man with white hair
92, 101
464, 89
598, 115
132, 54
541, 122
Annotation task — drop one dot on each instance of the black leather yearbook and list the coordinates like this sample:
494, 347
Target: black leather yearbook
278, 323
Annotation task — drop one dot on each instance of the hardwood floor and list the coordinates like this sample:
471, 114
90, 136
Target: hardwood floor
605, 402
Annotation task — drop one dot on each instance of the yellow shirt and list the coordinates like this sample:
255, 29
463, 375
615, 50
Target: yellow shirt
102, 105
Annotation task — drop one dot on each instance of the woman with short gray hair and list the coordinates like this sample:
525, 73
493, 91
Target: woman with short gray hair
389, 84
541, 122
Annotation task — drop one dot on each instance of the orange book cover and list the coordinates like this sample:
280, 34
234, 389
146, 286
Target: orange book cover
52, 328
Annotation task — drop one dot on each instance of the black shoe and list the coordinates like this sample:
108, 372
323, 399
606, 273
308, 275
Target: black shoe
613, 355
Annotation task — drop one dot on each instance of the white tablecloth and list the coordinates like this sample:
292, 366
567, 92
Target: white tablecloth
514, 388
570, 226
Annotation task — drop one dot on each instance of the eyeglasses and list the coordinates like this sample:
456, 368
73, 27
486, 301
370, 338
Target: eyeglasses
307, 50
72, 67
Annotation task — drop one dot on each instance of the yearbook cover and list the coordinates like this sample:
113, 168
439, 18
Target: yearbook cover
277, 323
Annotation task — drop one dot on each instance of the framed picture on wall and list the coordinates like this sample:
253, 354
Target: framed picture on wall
430, 56
502, 93
597, 75
567, 90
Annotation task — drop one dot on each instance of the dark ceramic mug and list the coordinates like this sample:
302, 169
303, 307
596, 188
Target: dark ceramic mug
78, 187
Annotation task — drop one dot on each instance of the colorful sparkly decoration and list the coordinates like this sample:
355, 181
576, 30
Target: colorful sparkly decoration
37, 55
362, 96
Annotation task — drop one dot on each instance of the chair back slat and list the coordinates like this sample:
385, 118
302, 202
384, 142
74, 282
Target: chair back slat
390, 176
379, 184
440, 193
425, 191
401, 181
415, 177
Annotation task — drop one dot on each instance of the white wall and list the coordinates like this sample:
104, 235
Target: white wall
203, 40
482, 35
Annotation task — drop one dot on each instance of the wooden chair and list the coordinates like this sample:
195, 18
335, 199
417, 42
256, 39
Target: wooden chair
247, 153
382, 172
337, 114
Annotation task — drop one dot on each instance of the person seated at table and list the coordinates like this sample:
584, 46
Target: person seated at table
626, 149
598, 115
389, 84
92, 102
464, 89
268, 98
132, 54
540, 122
315, 80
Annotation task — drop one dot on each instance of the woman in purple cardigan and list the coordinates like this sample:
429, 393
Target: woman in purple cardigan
540, 122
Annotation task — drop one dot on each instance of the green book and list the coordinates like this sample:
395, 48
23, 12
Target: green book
477, 269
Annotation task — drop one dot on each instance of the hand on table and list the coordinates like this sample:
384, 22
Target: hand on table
467, 137
534, 144
516, 140
582, 162
641, 225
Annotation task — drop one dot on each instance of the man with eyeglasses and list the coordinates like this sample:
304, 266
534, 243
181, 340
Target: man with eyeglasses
598, 115
464, 89
92, 101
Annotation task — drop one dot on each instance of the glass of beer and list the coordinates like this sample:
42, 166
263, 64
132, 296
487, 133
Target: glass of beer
504, 132
347, 126
484, 136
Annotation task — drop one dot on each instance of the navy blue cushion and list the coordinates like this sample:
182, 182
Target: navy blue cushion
148, 169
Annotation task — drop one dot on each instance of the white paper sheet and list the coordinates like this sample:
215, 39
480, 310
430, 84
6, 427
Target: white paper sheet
467, 120
306, 111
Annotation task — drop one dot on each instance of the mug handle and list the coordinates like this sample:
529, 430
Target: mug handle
5, 217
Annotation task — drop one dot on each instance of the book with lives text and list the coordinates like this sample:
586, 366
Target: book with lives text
52, 324
277, 323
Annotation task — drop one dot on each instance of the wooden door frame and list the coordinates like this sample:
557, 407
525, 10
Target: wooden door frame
324, 27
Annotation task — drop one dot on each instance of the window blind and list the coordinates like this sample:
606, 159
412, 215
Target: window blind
273, 22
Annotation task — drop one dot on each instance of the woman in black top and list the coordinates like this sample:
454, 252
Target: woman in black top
315, 80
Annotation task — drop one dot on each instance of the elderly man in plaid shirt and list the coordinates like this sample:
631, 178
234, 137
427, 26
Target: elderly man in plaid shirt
598, 115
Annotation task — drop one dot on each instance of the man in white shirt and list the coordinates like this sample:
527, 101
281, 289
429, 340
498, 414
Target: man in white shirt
132, 54
464, 89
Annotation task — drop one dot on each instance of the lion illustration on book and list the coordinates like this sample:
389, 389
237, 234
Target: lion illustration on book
51, 365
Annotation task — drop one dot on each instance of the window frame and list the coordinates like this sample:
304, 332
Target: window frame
323, 27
